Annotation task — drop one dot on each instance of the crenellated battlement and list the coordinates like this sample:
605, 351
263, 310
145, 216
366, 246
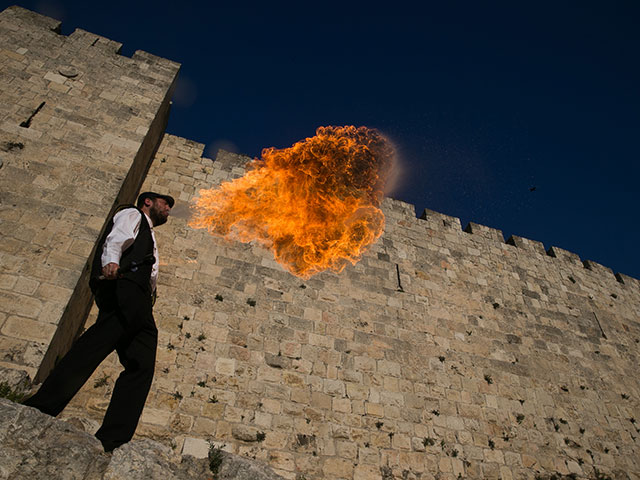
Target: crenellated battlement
445, 223
46, 29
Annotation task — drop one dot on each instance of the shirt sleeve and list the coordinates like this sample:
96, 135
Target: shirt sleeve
126, 225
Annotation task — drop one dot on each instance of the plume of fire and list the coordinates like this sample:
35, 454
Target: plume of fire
315, 204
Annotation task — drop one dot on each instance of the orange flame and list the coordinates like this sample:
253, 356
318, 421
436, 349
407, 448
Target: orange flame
315, 204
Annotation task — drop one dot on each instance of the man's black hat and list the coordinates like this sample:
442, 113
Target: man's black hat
167, 198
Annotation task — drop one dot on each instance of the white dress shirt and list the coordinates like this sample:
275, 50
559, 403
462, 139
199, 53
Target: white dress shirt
126, 224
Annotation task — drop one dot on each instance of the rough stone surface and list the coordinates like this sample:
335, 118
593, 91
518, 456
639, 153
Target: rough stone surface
35, 445
17, 380
243, 469
245, 433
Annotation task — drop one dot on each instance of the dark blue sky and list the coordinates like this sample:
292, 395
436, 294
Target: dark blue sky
484, 100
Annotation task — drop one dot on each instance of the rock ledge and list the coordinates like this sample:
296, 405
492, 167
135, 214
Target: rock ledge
35, 445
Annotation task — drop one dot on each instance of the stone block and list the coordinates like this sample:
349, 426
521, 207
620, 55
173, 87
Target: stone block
155, 416
342, 405
213, 410
320, 400
196, 447
245, 433
365, 364
374, 409
26, 286
27, 329
366, 472
225, 366
22, 305
338, 468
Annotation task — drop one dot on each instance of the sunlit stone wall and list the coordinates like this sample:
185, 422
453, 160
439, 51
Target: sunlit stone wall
444, 353
79, 124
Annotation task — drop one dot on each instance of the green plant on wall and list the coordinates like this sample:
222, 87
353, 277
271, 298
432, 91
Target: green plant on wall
7, 392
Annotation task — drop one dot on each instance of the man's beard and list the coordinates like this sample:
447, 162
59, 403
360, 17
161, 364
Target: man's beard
157, 217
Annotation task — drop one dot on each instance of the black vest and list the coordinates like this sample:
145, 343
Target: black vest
141, 247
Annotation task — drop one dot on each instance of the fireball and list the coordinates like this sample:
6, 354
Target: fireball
315, 205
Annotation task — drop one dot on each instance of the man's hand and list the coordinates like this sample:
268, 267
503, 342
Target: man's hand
110, 271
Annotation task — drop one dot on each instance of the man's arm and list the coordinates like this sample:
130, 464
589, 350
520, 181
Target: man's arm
126, 225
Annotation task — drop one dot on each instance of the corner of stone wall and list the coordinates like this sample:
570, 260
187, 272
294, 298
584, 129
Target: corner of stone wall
79, 132
156, 62
18, 15
75, 314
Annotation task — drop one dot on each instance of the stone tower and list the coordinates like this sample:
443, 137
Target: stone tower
445, 353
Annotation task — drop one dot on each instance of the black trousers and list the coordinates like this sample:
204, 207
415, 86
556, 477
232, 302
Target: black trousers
124, 324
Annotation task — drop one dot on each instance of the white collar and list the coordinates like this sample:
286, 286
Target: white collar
149, 220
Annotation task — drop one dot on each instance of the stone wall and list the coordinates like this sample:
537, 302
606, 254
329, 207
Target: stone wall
445, 353
78, 127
